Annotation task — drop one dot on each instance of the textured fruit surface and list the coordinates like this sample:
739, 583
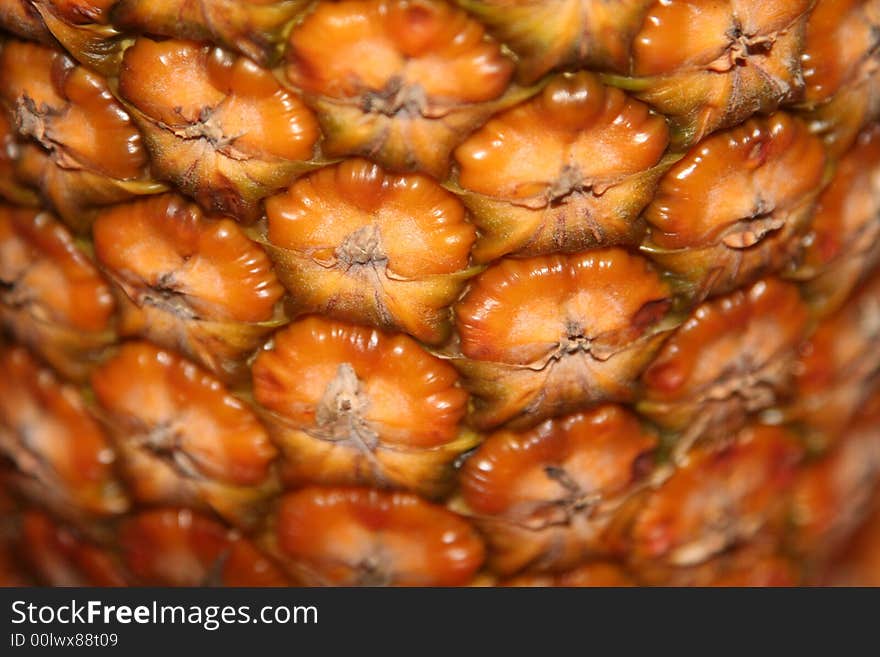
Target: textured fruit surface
568, 170
711, 64
719, 497
548, 335
47, 431
439, 292
188, 281
856, 562
396, 81
353, 405
841, 69
734, 207
254, 28
355, 536
831, 496
219, 126
548, 34
542, 497
839, 365
61, 557
358, 244
52, 296
734, 356
843, 244
83, 147
177, 547
182, 436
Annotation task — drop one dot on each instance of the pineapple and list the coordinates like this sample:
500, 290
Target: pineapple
857, 564
168, 263
193, 443
439, 292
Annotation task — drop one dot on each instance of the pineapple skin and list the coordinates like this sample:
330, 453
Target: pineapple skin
435, 292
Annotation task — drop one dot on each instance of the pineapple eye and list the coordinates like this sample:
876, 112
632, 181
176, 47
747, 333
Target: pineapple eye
359, 244
235, 136
253, 28
835, 363
844, 238
61, 556
183, 438
52, 297
568, 170
710, 65
764, 178
187, 281
177, 547
397, 82
78, 145
553, 334
48, 431
363, 537
539, 495
718, 498
351, 405
733, 357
